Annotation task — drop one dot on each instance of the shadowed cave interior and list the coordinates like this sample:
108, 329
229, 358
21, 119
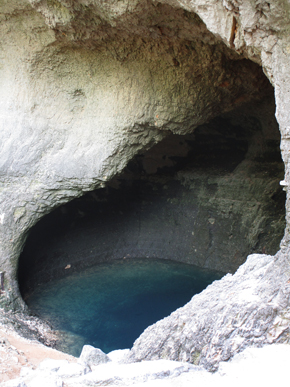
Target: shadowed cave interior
208, 199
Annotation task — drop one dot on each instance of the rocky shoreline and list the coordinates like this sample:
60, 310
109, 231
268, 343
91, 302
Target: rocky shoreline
247, 309
27, 363
29, 327
20, 345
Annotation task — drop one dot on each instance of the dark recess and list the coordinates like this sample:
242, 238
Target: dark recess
209, 198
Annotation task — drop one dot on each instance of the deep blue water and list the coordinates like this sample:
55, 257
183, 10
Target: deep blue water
108, 306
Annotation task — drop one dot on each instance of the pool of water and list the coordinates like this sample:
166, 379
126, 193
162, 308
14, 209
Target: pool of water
109, 306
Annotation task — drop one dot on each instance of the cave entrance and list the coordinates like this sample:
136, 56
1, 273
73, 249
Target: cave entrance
194, 124
208, 199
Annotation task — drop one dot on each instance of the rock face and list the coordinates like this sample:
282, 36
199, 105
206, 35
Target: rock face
86, 86
92, 356
208, 198
231, 314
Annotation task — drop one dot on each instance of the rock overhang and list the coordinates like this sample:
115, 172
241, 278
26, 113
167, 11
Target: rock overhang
58, 163
208, 198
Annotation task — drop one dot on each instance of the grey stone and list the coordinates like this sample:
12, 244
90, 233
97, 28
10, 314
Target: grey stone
231, 314
118, 355
84, 88
126, 374
99, 127
92, 356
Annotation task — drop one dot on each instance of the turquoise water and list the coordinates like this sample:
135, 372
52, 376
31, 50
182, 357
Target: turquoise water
108, 306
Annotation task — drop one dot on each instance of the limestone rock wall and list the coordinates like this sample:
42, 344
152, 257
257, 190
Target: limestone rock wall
250, 308
76, 104
208, 198
86, 85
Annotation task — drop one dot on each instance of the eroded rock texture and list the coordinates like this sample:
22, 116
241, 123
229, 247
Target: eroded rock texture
207, 198
88, 85
249, 308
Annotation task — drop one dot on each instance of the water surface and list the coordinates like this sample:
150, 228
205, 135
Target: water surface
109, 306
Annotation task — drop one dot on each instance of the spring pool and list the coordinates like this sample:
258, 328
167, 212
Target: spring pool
109, 306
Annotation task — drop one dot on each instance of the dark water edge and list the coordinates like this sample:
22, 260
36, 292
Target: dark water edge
109, 306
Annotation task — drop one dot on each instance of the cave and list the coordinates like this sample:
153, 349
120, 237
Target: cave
148, 130
208, 199
142, 99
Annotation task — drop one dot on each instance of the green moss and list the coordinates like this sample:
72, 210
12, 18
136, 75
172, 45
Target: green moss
19, 212
195, 357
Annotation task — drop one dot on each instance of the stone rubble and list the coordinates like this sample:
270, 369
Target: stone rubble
264, 366
55, 373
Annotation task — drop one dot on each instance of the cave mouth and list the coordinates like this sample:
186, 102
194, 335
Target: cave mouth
207, 199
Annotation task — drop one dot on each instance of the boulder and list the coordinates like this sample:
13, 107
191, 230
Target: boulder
92, 356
